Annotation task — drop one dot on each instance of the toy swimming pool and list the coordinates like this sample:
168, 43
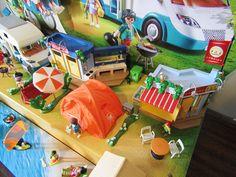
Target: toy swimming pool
28, 162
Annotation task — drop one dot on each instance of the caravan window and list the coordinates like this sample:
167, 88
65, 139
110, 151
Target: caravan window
114, 6
200, 3
5, 35
15, 48
32, 49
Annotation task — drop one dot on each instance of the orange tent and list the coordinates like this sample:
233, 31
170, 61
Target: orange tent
94, 105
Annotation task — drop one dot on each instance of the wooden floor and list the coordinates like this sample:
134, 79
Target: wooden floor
215, 152
4, 172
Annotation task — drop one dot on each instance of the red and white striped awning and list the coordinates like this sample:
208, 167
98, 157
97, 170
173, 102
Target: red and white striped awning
163, 101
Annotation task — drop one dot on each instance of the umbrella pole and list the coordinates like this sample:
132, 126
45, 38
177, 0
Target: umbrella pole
54, 96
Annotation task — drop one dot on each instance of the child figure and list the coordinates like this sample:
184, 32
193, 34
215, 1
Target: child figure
77, 171
8, 61
11, 118
54, 158
22, 145
17, 5
167, 128
127, 29
18, 78
74, 126
92, 6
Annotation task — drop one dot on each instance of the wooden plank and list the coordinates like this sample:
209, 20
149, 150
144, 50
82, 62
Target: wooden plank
112, 80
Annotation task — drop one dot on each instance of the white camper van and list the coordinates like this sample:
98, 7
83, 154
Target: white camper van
188, 24
20, 39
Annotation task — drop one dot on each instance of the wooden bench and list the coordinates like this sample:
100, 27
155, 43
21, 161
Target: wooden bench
111, 68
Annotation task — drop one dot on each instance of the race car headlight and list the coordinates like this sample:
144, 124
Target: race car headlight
188, 21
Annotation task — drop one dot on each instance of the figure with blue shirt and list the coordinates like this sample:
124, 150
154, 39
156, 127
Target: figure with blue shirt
74, 126
127, 30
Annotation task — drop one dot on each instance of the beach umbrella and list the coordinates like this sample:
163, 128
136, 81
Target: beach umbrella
15, 134
48, 79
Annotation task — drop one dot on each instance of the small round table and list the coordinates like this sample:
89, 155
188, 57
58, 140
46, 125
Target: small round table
159, 148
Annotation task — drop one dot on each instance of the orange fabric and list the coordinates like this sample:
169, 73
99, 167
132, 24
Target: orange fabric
41, 84
56, 83
42, 71
55, 72
94, 105
160, 146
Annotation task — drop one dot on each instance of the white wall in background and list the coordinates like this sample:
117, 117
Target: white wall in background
2, 6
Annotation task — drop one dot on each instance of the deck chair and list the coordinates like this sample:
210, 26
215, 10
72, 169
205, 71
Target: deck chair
174, 149
147, 134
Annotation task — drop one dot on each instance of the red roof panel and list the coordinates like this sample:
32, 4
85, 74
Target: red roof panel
163, 101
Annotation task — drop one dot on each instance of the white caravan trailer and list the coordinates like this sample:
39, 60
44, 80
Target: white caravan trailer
20, 39
188, 24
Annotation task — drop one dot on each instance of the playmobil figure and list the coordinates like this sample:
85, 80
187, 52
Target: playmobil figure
40, 6
28, 2
86, 12
167, 128
77, 171
18, 78
74, 126
93, 6
22, 145
162, 76
127, 29
9, 119
55, 7
74, 171
8, 61
54, 158
17, 6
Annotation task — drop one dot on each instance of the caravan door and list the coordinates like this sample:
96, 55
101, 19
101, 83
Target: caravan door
116, 8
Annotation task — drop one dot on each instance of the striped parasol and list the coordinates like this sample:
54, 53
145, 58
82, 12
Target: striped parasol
48, 79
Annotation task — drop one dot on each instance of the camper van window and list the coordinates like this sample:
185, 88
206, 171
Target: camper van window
200, 3
32, 49
5, 35
15, 48
29, 47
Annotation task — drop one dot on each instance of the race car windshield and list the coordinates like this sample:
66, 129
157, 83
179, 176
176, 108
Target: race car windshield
200, 3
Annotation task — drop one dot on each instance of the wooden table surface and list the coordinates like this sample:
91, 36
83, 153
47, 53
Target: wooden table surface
160, 146
92, 148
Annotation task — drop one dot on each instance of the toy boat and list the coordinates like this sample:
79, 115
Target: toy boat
9, 120
22, 148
